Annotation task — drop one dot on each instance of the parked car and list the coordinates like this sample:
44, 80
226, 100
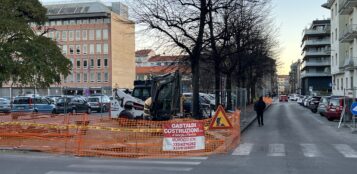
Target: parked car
283, 98
53, 98
307, 100
323, 104
99, 103
205, 107
314, 103
300, 100
334, 109
5, 105
294, 97
72, 104
30, 104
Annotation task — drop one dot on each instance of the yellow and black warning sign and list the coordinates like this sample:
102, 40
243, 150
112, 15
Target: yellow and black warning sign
220, 120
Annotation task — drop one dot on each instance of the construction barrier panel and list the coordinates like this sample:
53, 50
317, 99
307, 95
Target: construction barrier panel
87, 135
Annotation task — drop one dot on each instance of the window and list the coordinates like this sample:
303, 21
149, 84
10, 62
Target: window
105, 48
59, 22
351, 82
79, 21
65, 22
342, 83
105, 62
99, 77
78, 64
91, 49
338, 84
85, 77
92, 76
106, 77
98, 34
78, 35
332, 60
71, 33
64, 35
52, 23
99, 62
105, 34
346, 82
332, 38
64, 49
84, 35
78, 77
85, 63
84, 49
91, 34
85, 21
78, 49
72, 22
106, 20
91, 63
336, 9
92, 21
71, 49
99, 49
335, 33
336, 59
58, 35
99, 21
51, 34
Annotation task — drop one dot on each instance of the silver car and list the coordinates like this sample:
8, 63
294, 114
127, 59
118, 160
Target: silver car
322, 108
5, 105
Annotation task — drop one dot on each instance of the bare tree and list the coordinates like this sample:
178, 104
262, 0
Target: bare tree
181, 22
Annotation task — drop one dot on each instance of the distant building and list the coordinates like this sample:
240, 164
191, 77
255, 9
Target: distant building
294, 77
283, 84
315, 64
343, 46
100, 42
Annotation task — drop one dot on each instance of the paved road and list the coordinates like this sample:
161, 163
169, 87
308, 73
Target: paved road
292, 141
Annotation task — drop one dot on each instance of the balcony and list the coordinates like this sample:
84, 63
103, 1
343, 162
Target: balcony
349, 33
305, 74
314, 64
346, 6
315, 54
316, 42
327, 30
350, 63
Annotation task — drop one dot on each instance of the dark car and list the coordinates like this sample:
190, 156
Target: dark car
205, 110
314, 103
99, 103
72, 104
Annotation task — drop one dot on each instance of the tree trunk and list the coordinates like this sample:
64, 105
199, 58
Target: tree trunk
217, 84
195, 90
229, 90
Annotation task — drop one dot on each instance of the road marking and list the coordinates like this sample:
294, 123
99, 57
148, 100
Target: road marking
310, 150
65, 172
276, 150
190, 163
346, 150
243, 149
116, 167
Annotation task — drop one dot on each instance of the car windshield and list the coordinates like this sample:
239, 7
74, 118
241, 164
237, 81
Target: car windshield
62, 100
93, 99
335, 102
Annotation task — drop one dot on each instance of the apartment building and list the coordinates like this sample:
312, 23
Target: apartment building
283, 84
315, 66
343, 45
99, 39
294, 77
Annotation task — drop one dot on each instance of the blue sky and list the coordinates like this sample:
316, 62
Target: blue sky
291, 16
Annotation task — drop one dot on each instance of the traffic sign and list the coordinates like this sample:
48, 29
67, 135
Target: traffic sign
220, 120
354, 108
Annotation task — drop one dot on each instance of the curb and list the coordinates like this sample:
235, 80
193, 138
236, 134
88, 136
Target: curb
252, 121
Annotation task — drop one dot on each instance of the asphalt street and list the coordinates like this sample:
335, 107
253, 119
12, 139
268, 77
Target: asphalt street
292, 141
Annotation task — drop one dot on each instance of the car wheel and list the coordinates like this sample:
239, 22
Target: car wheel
330, 119
89, 110
54, 111
104, 109
74, 111
321, 114
126, 114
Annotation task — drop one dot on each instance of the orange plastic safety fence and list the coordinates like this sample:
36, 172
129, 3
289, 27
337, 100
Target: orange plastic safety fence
86, 135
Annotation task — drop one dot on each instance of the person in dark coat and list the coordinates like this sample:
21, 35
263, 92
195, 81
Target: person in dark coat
259, 107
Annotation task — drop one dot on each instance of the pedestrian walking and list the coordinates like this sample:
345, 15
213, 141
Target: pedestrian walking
259, 107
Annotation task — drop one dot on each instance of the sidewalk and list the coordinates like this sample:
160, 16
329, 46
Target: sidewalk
249, 116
